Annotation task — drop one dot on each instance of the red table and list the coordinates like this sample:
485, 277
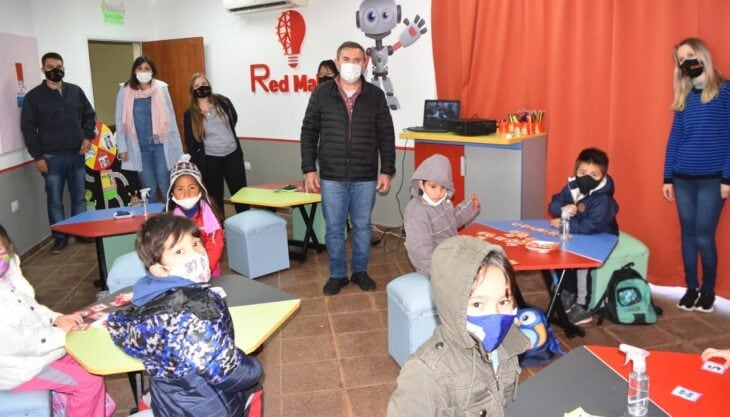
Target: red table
580, 252
99, 224
666, 371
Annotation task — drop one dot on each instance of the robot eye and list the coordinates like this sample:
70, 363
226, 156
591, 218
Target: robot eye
528, 317
387, 15
371, 17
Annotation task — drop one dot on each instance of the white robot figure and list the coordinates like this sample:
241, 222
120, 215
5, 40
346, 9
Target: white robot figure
376, 18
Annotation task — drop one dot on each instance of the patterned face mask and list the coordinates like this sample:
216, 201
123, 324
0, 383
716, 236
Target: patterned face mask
196, 269
4, 263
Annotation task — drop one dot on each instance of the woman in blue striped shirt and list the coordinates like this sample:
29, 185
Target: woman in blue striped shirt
697, 165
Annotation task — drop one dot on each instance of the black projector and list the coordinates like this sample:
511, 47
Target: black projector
472, 127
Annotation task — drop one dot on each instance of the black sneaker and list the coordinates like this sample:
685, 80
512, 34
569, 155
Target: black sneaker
363, 281
85, 240
687, 302
568, 299
334, 285
579, 315
706, 302
58, 246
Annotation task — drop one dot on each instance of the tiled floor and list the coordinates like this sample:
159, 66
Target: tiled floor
331, 358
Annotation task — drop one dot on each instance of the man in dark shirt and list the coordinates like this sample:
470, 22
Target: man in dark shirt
347, 126
58, 124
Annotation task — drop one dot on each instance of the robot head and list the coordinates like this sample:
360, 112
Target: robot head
376, 18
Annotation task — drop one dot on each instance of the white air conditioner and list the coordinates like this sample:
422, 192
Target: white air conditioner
249, 6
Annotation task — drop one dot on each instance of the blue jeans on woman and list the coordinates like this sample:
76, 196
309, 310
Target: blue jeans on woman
154, 170
699, 204
62, 170
340, 198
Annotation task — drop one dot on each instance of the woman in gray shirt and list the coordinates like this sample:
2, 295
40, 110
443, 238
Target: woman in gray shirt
210, 135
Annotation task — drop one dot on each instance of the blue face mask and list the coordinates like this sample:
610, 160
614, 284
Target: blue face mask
490, 329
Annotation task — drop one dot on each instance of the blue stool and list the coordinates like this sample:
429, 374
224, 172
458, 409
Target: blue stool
125, 271
256, 243
628, 249
412, 315
25, 404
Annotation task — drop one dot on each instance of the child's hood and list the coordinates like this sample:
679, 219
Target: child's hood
149, 287
436, 168
454, 265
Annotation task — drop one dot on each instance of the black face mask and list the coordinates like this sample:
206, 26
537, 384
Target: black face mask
692, 68
55, 75
320, 80
203, 91
586, 183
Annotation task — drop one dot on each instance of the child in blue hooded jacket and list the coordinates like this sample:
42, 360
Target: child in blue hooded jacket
588, 199
180, 329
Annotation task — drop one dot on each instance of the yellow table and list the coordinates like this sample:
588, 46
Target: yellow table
272, 195
493, 139
257, 311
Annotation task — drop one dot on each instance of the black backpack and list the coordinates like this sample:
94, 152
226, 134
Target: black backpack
627, 299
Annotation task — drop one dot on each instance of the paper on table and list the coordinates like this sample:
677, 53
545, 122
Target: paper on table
579, 412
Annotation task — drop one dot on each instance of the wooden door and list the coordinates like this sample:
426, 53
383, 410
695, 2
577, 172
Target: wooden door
177, 60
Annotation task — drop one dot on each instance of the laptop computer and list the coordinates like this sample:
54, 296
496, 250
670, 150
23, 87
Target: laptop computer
436, 115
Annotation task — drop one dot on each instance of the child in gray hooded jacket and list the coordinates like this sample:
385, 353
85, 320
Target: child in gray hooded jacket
430, 216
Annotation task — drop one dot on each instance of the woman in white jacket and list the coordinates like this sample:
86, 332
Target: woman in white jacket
32, 355
148, 139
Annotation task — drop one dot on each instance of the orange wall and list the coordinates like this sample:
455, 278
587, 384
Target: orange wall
603, 72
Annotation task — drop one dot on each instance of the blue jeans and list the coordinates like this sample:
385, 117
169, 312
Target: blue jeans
64, 169
699, 204
340, 198
154, 171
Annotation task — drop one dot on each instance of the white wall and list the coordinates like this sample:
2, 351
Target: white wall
66, 26
15, 18
234, 42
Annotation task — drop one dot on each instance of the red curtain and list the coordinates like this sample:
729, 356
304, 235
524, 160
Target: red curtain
602, 70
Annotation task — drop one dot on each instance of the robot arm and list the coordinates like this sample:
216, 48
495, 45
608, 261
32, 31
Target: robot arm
411, 33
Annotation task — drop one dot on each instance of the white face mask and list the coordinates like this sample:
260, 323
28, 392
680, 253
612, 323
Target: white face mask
434, 203
187, 203
196, 269
350, 72
143, 77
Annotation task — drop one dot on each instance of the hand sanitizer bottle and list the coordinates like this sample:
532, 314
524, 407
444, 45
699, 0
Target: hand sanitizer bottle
144, 193
638, 395
565, 223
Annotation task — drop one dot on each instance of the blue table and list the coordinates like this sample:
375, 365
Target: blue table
100, 224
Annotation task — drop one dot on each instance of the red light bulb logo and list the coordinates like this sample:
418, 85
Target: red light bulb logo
290, 28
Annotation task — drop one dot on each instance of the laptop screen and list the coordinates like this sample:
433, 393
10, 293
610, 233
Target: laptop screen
436, 113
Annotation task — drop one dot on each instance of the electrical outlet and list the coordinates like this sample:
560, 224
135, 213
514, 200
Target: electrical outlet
247, 165
14, 206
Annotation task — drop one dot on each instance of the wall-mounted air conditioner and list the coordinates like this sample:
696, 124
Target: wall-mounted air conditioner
249, 6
